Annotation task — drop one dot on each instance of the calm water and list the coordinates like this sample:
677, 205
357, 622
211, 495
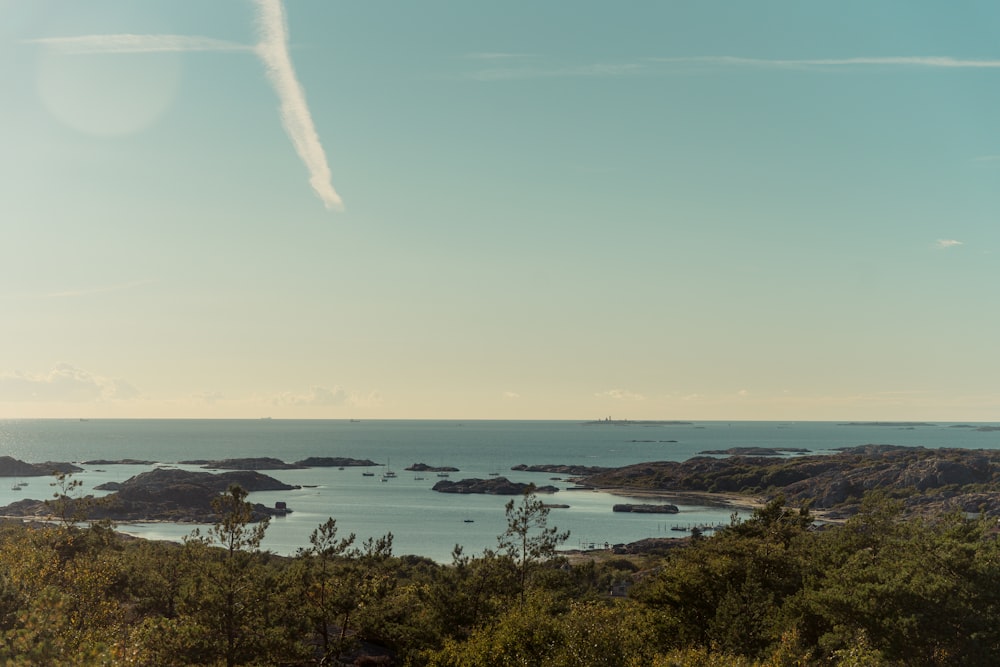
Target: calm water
422, 521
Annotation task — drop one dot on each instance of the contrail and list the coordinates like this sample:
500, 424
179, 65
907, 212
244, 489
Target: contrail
273, 51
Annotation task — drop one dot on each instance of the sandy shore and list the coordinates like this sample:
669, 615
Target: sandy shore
702, 498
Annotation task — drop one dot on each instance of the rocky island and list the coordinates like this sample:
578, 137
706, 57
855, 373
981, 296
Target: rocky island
423, 467
924, 480
259, 463
162, 494
561, 469
495, 486
334, 462
646, 509
11, 467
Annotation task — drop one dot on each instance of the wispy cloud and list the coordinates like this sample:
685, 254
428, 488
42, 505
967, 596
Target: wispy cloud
944, 244
79, 291
594, 70
893, 61
497, 55
273, 51
511, 395
129, 43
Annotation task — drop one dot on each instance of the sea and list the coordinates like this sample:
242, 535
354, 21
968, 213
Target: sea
422, 521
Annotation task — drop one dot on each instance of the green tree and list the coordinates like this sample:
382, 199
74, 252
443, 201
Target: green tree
229, 606
728, 591
327, 595
529, 540
917, 591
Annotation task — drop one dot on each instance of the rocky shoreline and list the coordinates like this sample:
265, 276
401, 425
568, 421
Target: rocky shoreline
924, 481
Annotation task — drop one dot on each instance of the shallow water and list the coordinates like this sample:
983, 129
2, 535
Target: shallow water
422, 521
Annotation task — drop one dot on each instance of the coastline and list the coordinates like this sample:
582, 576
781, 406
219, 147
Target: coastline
699, 498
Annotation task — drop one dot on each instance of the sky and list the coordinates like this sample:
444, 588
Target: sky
653, 209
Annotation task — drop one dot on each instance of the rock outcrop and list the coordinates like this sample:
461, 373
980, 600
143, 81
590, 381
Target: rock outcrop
495, 486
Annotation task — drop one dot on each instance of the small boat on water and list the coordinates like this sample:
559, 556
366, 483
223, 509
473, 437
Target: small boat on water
368, 474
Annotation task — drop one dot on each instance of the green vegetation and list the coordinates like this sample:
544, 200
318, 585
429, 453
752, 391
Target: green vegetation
774, 590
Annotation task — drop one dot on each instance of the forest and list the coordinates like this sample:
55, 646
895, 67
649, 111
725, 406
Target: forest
775, 589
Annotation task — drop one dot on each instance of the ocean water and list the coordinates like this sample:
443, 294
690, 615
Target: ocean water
422, 521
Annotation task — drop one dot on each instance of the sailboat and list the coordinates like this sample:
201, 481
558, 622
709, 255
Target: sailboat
388, 474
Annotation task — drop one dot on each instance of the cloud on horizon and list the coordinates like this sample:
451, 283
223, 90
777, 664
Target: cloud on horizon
319, 396
63, 384
947, 243
620, 395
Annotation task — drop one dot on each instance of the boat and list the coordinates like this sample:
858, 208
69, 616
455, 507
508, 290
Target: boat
442, 474
469, 520
368, 474
388, 471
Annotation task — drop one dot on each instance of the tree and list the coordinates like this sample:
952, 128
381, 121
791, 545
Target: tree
327, 596
528, 539
229, 607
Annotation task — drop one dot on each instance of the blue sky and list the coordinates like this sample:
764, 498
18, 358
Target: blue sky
452, 209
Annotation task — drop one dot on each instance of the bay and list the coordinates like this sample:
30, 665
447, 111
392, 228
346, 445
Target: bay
424, 522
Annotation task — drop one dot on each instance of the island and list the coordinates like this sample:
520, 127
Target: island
162, 494
561, 469
495, 486
423, 467
11, 467
646, 509
925, 481
608, 421
334, 462
258, 463
756, 451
